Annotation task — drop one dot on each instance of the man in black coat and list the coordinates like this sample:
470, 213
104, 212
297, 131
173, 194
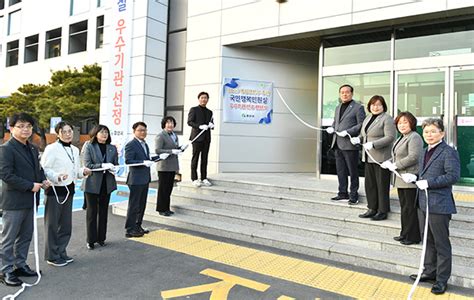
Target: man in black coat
23, 179
200, 118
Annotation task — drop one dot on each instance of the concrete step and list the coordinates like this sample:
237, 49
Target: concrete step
394, 262
337, 218
348, 235
321, 191
318, 200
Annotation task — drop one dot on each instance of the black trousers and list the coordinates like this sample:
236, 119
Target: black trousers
136, 206
58, 226
96, 216
165, 188
346, 164
377, 187
438, 258
409, 217
199, 148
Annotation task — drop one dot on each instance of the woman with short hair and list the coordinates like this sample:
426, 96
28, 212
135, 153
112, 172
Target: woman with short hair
61, 164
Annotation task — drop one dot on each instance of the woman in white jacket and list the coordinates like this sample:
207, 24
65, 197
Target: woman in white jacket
61, 164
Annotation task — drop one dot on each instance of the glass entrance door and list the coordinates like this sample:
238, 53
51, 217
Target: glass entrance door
462, 125
446, 93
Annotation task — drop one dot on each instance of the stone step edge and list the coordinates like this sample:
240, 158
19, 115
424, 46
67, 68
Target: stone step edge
321, 229
391, 223
328, 202
462, 272
468, 204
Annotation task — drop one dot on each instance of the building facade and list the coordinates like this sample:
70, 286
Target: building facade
418, 54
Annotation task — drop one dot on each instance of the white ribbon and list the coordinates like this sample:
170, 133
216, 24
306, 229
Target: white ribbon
24, 285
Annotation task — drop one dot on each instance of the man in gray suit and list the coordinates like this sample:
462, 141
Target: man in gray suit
439, 169
23, 179
348, 120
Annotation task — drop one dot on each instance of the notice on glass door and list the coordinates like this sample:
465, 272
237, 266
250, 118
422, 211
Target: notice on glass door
471, 99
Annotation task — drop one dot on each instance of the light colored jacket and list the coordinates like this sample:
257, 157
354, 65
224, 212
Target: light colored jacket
164, 143
405, 153
57, 160
381, 133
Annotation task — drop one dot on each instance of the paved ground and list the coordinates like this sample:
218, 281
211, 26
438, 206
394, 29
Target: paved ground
167, 261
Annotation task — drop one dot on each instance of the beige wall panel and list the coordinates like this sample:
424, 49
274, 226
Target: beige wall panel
204, 26
199, 49
258, 15
199, 7
304, 10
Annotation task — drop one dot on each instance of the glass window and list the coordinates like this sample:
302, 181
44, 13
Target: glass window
79, 7
422, 94
99, 34
31, 48
12, 2
2, 4
14, 22
53, 43
360, 53
175, 88
365, 86
357, 48
435, 40
12, 53
99, 3
78, 37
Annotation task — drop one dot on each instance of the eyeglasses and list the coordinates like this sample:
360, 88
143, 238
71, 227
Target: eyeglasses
66, 131
377, 105
141, 130
21, 127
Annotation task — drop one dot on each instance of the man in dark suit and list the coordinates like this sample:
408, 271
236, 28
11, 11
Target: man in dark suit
138, 179
200, 118
439, 169
348, 120
23, 179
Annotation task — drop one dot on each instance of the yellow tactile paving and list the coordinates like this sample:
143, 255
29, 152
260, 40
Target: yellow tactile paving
458, 196
332, 279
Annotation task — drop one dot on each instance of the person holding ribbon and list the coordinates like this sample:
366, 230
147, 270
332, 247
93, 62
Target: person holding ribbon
439, 169
23, 179
348, 119
200, 118
99, 153
62, 166
405, 153
378, 134
166, 143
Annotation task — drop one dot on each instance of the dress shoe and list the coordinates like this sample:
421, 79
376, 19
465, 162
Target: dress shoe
340, 198
407, 242
11, 279
368, 214
102, 243
439, 288
144, 230
132, 234
399, 238
25, 271
90, 246
379, 217
171, 212
164, 213
423, 278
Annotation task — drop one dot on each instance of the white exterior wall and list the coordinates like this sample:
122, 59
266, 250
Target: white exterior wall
147, 74
285, 145
38, 17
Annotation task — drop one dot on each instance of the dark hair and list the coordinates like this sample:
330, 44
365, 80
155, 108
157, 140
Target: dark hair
21, 117
203, 93
140, 123
376, 98
433, 121
98, 128
347, 85
410, 118
165, 120
61, 125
